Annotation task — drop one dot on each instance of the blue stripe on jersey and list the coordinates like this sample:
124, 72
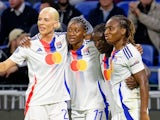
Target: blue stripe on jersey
105, 102
65, 82
127, 52
79, 52
52, 46
125, 108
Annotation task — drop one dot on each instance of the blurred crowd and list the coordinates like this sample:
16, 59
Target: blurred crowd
18, 19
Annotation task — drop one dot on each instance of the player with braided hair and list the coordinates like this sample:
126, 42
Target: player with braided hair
84, 73
126, 60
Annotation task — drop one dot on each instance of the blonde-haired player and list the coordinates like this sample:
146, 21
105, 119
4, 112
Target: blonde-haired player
46, 58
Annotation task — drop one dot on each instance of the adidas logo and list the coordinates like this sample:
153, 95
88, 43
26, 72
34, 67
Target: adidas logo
39, 49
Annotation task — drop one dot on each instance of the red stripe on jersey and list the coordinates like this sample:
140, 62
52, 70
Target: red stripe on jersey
74, 54
46, 46
29, 97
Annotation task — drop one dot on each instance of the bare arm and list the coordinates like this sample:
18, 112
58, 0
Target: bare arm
132, 83
147, 70
4, 66
144, 93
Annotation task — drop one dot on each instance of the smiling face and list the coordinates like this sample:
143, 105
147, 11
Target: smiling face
47, 21
75, 34
99, 42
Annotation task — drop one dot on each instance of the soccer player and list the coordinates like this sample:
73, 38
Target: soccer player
124, 61
84, 73
46, 58
105, 50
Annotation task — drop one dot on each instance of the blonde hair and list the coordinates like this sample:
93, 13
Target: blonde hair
55, 13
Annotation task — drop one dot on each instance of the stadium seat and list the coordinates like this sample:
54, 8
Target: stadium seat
148, 54
86, 6
154, 80
124, 5
36, 6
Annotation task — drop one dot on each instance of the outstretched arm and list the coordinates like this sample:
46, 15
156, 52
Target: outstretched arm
4, 66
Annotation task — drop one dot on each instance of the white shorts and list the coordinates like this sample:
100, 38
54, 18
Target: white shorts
92, 114
133, 115
57, 111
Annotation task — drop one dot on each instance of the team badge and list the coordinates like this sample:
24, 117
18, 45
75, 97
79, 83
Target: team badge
58, 45
86, 51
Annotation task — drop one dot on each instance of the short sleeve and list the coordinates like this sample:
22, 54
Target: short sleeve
18, 56
134, 60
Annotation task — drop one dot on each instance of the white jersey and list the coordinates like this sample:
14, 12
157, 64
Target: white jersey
46, 63
123, 63
84, 76
104, 62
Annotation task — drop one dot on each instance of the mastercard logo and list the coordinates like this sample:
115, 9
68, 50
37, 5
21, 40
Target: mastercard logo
78, 65
54, 58
107, 74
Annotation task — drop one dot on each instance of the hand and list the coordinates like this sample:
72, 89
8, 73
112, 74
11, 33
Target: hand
133, 5
134, 9
139, 48
144, 116
25, 42
131, 83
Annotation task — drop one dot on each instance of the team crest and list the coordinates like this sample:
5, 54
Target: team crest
86, 51
58, 45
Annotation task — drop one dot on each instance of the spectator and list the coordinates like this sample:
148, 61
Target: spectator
66, 11
46, 3
74, 2
2, 8
18, 15
104, 10
117, 1
19, 73
146, 18
15, 36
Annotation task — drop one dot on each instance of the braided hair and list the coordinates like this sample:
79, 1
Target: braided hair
128, 25
85, 24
